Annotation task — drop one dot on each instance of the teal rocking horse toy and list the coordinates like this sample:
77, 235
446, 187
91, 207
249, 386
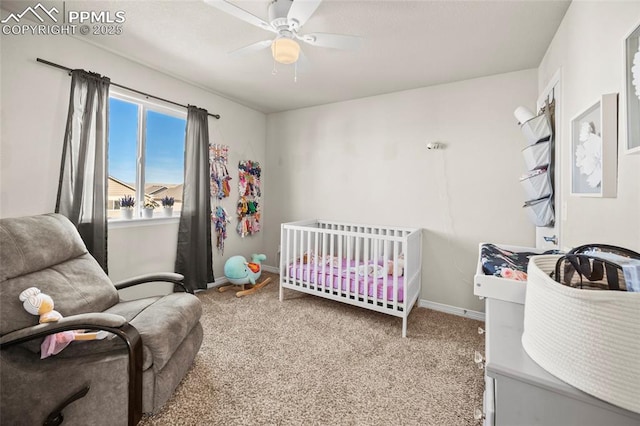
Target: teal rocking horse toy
240, 272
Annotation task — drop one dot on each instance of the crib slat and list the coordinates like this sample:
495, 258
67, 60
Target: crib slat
356, 257
364, 256
385, 279
283, 253
376, 255
395, 271
295, 257
340, 257
351, 250
308, 253
300, 255
345, 261
288, 252
324, 261
315, 258
332, 241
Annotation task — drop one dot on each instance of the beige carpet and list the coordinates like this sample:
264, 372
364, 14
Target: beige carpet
311, 361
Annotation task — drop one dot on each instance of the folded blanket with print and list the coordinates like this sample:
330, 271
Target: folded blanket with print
507, 264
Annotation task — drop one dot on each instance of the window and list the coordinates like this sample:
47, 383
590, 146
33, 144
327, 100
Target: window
146, 155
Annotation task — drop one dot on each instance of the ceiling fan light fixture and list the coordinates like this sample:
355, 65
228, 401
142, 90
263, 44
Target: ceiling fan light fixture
285, 50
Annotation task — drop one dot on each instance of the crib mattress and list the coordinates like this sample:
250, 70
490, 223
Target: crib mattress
347, 275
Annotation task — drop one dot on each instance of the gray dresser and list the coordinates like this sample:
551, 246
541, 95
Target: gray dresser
519, 392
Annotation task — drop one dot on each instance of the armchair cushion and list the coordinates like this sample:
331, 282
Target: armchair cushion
163, 324
21, 253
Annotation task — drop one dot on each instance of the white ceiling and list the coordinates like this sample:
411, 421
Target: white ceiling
406, 44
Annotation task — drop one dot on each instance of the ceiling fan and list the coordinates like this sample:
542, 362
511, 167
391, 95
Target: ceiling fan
286, 18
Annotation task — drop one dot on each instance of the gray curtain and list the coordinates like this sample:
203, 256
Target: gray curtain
82, 188
194, 253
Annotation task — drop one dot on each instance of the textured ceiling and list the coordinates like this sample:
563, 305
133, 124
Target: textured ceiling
406, 44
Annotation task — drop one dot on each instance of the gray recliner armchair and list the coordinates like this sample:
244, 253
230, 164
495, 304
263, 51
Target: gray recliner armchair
152, 344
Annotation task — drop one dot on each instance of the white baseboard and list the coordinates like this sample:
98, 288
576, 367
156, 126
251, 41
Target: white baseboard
272, 269
223, 280
441, 307
218, 282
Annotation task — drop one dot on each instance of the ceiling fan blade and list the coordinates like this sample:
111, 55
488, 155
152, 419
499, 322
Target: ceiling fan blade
240, 14
335, 41
251, 48
301, 10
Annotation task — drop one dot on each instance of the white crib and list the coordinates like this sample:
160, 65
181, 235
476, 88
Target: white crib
353, 263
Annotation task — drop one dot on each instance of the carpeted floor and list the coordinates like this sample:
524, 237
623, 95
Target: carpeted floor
311, 361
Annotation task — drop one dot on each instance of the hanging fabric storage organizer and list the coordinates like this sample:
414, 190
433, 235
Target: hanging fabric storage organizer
538, 129
540, 211
536, 184
536, 155
538, 158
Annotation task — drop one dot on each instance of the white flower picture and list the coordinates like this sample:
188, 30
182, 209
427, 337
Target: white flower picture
594, 149
635, 72
632, 90
589, 154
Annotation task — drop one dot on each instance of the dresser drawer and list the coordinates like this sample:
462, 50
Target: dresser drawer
489, 402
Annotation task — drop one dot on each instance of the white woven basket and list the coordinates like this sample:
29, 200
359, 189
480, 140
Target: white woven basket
588, 338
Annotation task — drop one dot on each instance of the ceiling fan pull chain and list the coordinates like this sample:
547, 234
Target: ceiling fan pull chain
295, 72
275, 70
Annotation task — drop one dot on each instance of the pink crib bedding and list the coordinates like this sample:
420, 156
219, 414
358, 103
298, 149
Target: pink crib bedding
340, 276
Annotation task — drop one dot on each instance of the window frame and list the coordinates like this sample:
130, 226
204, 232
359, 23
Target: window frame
144, 104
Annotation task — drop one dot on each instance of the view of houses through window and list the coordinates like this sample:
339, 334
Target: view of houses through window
146, 156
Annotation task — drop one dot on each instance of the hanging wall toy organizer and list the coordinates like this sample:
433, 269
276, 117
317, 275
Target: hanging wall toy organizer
538, 156
249, 202
220, 189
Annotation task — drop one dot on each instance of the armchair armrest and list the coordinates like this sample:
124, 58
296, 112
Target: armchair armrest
167, 277
115, 324
100, 321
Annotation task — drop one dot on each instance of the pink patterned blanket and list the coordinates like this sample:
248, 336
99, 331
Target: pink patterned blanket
356, 276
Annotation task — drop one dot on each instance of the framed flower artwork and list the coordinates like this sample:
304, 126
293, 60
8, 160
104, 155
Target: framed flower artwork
594, 149
632, 93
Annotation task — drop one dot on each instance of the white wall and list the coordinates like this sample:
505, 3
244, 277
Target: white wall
34, 107
588, 47
366, 161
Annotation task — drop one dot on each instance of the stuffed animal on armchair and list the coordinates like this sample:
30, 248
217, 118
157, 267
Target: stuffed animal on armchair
37, 303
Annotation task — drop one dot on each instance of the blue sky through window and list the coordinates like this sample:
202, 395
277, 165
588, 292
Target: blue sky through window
164, 144
165, 148
123, 135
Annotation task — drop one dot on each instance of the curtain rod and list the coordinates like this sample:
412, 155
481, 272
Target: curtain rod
125, 87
